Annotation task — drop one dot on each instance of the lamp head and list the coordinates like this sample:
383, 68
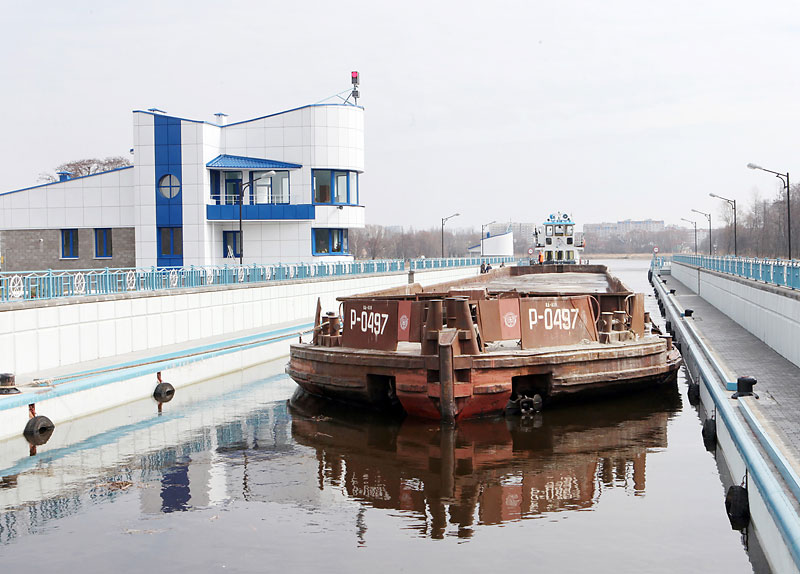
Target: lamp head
265, 175
712, 195
754, 166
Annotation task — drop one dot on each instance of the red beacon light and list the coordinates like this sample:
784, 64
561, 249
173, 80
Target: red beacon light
354, 78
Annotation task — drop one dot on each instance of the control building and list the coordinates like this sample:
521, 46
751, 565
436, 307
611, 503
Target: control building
296, 173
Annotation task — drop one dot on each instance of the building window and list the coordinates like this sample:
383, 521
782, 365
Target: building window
231, 244
337, 187
330, 241
170, 241
169, 186
274, 189
102, 243
69, 244
233, 187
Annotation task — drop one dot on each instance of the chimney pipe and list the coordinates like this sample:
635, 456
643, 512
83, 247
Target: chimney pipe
63, 175
221, 118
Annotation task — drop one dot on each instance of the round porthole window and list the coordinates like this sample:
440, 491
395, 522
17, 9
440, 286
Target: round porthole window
169, 186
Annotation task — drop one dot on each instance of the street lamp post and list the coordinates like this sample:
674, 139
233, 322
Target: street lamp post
695, 232
732, 203
483, 227
708, 216
444, 220
781, 176
242, 187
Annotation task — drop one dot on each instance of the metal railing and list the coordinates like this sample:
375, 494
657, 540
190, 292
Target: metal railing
773, 271
439, 263
51, 284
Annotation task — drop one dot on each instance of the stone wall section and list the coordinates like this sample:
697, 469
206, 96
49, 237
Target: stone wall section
40, 249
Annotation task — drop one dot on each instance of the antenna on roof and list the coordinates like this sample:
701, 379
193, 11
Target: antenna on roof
355, 78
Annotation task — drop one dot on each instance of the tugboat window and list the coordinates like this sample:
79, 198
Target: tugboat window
548, 230
559, 230
569, 229
569, 240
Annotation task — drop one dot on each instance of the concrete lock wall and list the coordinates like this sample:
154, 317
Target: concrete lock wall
46, 334
769, 312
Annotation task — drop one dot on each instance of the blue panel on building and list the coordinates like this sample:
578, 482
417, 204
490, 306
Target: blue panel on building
169, 210
260, 212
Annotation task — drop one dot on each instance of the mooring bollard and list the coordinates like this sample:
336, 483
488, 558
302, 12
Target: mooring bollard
8, 384
447, 399
433, 325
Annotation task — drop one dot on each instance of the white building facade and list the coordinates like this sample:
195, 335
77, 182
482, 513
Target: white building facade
296, 172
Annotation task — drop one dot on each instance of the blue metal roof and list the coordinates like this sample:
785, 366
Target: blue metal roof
239, 162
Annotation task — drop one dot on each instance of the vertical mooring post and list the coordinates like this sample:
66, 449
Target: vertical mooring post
447, 400
447, 443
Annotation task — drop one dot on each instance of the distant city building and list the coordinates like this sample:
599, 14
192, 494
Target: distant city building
623, 227
494, 245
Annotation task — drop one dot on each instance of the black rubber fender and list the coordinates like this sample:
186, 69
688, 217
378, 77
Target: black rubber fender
164, 392
38, 430
738, 507
710, 434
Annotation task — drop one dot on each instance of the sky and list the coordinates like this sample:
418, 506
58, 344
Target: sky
503, 111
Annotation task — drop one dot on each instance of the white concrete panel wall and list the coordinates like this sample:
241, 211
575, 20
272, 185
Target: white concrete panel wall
333, 216
772, 317
103, 200
40, 338
144, 210
195, 187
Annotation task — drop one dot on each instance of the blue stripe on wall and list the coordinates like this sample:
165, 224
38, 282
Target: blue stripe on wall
168, 158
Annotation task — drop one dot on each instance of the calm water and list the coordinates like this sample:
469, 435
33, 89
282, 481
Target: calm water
233, 478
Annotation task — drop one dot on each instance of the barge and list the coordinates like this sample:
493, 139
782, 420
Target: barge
511, 340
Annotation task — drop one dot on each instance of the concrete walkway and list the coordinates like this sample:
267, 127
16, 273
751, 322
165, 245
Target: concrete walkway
741, 353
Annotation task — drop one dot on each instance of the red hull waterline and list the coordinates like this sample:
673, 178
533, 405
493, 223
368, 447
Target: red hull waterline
484, 385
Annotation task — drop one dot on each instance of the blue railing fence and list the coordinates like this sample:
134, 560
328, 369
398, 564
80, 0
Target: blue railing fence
50, 284
773, 271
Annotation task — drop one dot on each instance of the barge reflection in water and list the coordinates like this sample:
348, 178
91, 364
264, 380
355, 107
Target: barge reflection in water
497, 470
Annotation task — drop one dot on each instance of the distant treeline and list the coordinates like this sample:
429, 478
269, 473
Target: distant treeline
760, 232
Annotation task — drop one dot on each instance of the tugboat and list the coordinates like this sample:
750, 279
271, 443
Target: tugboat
557, 242
511, 340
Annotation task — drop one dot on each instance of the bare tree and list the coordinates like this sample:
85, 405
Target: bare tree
83, 167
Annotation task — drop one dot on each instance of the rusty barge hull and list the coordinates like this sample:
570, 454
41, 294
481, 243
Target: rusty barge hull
483, 384
512, 340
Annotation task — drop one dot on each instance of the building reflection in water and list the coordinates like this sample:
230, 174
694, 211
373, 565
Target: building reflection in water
494, 471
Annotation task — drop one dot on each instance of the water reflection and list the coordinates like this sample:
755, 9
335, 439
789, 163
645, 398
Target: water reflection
253, 446
486, 471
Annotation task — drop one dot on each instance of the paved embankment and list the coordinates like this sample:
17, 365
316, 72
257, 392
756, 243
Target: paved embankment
740, 353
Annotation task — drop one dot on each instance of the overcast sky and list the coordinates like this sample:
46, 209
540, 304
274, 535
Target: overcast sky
497, 110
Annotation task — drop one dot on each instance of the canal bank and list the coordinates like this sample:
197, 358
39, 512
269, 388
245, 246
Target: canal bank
77, 356
752, 435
